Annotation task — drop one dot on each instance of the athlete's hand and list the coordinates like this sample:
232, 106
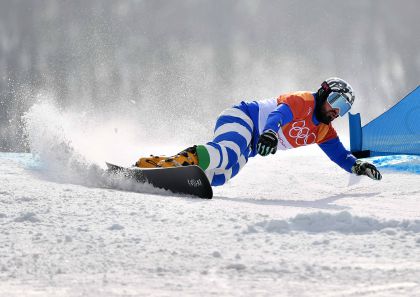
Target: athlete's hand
267, 143
365, 168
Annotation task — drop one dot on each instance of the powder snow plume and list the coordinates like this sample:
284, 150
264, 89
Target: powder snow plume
53, 137
72, 146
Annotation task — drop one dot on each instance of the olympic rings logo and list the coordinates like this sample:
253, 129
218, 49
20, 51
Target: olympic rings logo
301, 134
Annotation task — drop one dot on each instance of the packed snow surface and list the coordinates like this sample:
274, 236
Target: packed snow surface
291, 224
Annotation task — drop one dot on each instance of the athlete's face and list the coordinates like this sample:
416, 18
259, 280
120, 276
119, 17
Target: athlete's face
328, 114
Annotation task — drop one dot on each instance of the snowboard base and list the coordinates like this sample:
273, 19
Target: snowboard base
188, 180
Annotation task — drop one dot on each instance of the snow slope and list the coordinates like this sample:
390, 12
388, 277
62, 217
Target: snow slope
293, 224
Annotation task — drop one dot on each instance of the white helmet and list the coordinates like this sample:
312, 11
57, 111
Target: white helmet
338, 93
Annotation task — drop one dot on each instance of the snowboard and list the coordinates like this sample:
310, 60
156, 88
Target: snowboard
188, 180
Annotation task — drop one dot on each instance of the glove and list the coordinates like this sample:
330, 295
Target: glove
365, 168
267, 143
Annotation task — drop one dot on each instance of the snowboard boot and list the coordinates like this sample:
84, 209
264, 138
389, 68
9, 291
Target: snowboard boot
185, 158
150, 162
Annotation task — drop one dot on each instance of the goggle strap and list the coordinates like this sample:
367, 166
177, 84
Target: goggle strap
326, 87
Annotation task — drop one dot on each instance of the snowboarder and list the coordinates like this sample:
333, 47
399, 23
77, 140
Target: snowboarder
263, 127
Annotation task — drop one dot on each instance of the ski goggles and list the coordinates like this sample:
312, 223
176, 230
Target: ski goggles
339, 101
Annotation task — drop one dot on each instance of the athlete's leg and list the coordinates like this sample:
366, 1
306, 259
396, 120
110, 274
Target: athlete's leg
223, 157
220, 176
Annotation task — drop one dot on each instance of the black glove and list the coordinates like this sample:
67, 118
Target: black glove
365, 168
267, 143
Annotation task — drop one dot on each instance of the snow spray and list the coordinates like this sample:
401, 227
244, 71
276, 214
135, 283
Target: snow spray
72, 146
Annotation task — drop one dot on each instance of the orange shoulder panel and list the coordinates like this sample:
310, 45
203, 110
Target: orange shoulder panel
301, 103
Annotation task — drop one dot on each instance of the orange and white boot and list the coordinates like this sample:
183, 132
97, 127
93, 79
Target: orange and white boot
185, 158
150, 162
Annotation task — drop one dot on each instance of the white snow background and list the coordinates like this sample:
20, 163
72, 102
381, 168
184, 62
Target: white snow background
293, 224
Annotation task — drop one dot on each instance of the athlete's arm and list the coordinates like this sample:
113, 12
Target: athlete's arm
338, 154
268, 140
279, 117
